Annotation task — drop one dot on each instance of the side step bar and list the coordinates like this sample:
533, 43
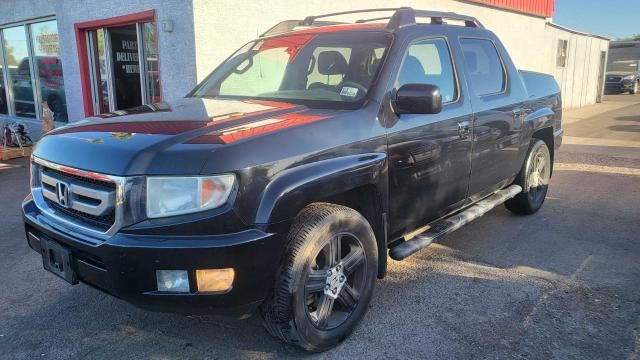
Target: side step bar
452, 223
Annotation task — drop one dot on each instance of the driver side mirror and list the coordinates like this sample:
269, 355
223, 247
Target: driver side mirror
417, 99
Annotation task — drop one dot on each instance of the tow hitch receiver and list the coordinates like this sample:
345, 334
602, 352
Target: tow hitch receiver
452, 223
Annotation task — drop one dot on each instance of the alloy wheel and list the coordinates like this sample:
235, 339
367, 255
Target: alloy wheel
335, 280
539, 176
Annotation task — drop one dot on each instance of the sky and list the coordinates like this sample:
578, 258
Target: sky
611, 18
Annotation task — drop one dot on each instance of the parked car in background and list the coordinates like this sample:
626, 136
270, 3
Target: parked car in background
623, 76
623, 67
281, 182
49, 72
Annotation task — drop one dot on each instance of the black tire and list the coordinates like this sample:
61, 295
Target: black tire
295, 310
534, 179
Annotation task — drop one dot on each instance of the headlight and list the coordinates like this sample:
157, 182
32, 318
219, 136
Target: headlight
629, 77
169, 196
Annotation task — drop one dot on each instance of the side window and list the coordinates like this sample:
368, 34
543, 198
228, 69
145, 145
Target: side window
429, 62
483, 64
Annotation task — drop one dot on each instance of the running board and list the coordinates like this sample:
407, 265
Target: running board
452, 223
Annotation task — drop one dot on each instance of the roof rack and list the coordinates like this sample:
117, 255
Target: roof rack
401, 17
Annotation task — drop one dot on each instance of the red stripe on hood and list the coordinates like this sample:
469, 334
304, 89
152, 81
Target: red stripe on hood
173, 127
233, 134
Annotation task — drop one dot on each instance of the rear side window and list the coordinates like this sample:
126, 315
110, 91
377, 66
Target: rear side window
429, 62
484, 66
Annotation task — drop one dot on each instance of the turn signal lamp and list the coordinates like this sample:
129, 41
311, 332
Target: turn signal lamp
215, 280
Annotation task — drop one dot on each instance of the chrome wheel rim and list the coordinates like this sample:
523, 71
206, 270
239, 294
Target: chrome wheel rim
335, 281
539, 175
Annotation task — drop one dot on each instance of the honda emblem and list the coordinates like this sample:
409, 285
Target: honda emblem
62, 190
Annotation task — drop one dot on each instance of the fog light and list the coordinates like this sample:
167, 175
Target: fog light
214, 280
173, 280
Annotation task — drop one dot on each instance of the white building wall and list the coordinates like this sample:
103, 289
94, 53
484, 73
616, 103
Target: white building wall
580, 79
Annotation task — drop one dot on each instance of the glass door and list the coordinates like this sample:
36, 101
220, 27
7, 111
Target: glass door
123, 74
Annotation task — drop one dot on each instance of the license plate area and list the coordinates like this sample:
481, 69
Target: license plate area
58, 260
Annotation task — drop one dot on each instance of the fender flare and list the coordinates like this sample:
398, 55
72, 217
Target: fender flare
294, 188
540, 119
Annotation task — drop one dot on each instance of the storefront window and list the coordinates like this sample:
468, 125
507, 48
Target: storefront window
151, 59
4, 109
31, 71
102, 71
19, 71
46, 52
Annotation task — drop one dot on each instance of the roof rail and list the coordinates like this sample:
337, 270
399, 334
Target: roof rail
401, 17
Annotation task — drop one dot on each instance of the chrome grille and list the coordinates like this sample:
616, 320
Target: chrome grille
83, 201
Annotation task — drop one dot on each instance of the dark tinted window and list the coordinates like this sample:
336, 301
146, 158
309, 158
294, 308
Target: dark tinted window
429, 62
484, 66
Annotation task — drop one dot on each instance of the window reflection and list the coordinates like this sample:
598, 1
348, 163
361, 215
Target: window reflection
151, 58
4, 109
46, 51
20, 81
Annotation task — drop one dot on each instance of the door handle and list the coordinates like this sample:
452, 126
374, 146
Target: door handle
463, 129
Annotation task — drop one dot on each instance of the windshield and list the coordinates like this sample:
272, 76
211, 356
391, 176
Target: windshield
326, 70
623, 66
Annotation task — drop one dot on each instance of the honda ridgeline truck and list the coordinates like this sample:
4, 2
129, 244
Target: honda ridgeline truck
281, 182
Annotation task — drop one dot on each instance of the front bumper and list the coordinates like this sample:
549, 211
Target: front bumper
618, 87
124, 265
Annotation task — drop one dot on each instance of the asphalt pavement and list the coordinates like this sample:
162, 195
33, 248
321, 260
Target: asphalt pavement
561, 284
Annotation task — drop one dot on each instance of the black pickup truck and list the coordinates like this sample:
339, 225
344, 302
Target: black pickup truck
283, 179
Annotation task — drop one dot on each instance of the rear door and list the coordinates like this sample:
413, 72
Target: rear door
498, 102
429, 161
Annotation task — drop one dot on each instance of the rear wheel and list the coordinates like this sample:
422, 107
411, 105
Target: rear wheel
326, 280
534, 179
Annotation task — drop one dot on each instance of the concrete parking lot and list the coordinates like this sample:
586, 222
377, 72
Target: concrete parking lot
564, 283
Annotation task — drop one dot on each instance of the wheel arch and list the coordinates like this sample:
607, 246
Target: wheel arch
355, 181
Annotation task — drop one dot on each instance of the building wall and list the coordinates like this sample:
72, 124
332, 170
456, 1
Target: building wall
579, 80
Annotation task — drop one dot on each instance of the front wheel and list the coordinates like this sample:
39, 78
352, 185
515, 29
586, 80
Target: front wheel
534, 179
326, 280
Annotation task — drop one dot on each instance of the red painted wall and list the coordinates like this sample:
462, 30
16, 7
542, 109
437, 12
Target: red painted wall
534, 7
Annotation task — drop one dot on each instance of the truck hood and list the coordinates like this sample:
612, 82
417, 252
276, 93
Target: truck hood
167, 138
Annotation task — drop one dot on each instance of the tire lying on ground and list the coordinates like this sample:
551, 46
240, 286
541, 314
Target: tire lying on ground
326, 280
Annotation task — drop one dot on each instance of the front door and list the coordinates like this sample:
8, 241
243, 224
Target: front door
429, 162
